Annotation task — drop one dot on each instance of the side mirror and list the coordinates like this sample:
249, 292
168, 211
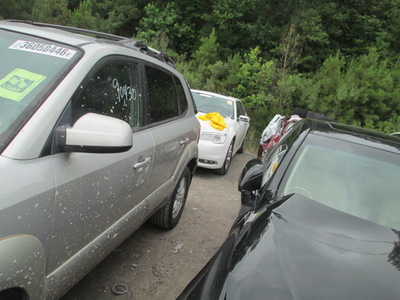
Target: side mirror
244, 118
250, 180
96, 133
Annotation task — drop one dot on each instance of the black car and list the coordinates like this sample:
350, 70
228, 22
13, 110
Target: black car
320, 219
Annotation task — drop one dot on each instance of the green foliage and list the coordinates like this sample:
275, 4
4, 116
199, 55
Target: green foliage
51, 11
254, 79
17, 9
104, 16
206, 72
362, 92
259, 87
336, 57
208, 51
163, 20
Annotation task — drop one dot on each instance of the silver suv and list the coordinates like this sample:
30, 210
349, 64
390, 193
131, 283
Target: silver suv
97, 134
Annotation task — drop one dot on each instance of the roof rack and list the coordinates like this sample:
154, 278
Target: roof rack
120, 40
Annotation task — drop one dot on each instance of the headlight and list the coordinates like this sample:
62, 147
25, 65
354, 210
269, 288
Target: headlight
217, 138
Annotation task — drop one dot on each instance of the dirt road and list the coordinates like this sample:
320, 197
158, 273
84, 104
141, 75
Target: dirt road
158, 264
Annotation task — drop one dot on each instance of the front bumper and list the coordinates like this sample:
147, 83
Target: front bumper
212, 155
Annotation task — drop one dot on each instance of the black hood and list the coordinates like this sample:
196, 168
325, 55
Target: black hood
304, 250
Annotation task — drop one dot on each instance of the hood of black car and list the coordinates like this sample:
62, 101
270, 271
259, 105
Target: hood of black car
305, 250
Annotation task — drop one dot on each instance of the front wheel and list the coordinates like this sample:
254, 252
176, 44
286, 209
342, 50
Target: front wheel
228, 158
168, 215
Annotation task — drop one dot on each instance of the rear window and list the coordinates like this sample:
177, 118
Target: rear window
29, 67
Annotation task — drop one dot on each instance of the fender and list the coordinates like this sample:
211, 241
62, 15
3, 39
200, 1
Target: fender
22, 264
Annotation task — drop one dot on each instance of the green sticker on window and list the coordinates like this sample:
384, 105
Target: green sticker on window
19, 83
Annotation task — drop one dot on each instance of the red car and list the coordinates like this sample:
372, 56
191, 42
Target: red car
277, 128
280, 125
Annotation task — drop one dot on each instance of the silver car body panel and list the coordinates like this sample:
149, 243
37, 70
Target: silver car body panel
43, 121
26, 261
100, 198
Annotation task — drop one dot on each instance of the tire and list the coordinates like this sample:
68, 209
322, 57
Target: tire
241, 149
168, 215
228, 159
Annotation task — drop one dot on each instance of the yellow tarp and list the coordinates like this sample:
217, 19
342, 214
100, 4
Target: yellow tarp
216, 120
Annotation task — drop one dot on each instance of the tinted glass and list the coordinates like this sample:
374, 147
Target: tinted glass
163, 96
358, 180
29, 66
113, 90
183, 104
240, 109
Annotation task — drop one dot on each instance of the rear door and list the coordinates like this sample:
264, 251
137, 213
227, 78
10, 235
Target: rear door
171, 131
241, 127
96, 190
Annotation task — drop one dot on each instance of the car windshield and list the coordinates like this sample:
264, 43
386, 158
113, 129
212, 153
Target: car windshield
29, 66
207, 103
356, 179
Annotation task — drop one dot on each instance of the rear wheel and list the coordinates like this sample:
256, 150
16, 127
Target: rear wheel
168, 216
228, 159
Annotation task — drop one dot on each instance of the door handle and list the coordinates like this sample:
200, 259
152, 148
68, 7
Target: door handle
142, 163
184, 141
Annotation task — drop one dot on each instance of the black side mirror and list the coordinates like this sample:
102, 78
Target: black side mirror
250, 180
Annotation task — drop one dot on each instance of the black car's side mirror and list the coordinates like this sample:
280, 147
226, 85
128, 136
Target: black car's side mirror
250, 180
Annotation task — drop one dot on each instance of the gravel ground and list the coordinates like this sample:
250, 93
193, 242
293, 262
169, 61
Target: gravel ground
157, 264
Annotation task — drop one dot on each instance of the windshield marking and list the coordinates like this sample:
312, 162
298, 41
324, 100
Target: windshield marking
45, 49
17, 84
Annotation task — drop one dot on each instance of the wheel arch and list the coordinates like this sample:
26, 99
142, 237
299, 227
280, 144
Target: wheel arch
22, 267
192, 165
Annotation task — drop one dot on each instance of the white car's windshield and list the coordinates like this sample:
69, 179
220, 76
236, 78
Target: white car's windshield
359, 180
28, 68
207, 103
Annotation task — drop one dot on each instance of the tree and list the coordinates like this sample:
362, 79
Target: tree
363, 92
208, 50
205, 71
255, 82
95, 16
21, 10
52, 11
163, 20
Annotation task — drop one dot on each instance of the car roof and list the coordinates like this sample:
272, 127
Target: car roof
353, 134
215, 94
54, 34
78, 37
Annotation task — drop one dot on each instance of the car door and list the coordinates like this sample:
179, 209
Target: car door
95, 190
169, 128
241, 126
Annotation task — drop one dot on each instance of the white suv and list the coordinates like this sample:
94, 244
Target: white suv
97, 134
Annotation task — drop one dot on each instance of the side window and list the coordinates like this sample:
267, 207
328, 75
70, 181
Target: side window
272, 160
112, 90
183, 104
240, 109
163, 96
275, 154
